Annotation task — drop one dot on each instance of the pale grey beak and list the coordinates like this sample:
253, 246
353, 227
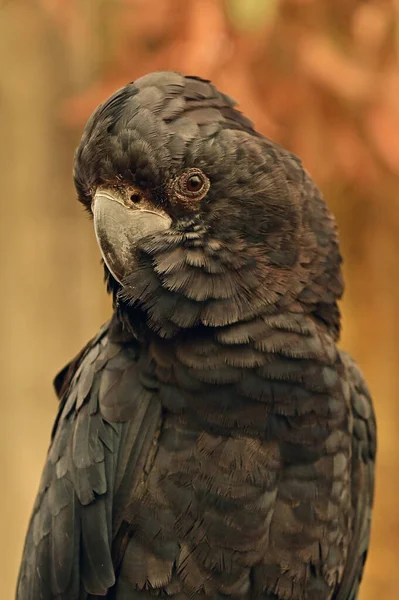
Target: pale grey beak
119, 226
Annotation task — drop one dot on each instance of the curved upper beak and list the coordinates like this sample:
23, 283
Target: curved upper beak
119, 226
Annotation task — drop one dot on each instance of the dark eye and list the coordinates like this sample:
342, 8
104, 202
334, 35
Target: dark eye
193, 184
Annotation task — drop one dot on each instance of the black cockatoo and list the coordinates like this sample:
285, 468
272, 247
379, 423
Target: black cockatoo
211, 440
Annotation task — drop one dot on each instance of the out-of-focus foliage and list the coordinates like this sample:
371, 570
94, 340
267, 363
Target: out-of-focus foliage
322, 78
250, 14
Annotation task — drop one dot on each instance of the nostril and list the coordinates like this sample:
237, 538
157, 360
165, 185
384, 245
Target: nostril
135, 198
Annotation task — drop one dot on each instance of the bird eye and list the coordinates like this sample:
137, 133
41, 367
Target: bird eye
193, 184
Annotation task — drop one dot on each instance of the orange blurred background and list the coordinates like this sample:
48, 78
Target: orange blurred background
320, 77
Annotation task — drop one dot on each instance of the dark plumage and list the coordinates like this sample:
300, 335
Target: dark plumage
211, 440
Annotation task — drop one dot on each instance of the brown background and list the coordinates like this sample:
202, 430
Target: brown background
321, 77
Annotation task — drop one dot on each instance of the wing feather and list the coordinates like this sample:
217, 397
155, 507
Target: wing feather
106, 421
363, 462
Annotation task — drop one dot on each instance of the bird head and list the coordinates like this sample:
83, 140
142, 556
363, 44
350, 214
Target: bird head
202, 221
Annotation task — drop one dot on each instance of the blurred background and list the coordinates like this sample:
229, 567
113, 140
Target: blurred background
320, 77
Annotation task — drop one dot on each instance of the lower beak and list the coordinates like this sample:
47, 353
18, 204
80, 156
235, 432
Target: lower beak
119, 227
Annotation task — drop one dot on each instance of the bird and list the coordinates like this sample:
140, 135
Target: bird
212, 440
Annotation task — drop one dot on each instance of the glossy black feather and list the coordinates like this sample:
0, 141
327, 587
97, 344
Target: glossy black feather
212, 440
